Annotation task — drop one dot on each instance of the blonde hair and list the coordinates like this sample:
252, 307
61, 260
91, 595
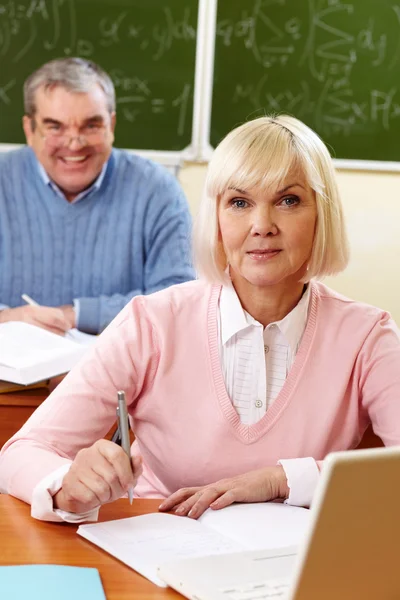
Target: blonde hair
258, 154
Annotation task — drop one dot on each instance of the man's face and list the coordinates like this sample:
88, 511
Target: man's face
72, 136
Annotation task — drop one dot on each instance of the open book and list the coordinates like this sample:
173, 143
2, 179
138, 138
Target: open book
29, 354
146, 542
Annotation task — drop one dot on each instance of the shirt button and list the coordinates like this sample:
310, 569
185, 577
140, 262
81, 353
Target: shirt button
258, 403
266, 349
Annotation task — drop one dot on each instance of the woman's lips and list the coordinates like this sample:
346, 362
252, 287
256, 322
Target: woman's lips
263, 254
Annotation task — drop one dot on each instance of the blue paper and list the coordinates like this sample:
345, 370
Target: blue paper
50, 582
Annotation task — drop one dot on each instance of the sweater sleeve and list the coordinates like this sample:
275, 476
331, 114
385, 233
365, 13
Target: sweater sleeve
378, 370
82, 409
166, 232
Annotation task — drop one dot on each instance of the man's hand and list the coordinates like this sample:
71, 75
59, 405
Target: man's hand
261, 485
99, 474
52, 319
69, 313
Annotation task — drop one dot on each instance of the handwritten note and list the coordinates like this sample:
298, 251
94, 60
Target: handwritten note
145, 542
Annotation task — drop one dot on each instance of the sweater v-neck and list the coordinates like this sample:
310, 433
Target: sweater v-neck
54, 202
251, 433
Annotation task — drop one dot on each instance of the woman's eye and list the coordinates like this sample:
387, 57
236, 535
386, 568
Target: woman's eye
238, 203
290, 201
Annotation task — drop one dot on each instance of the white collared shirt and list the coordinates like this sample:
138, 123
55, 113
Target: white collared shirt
255, 362
95, 185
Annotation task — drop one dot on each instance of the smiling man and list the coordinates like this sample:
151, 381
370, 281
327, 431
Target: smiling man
83, 227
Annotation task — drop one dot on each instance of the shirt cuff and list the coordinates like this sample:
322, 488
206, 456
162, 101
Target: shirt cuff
42, 500
77, 311
302, 477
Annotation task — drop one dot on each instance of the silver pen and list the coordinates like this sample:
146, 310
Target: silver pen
122, 418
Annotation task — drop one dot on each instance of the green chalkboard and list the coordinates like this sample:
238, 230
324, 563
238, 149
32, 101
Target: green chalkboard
147, 46
334, 64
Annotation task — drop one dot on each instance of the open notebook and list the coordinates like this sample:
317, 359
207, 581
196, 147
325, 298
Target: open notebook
350, 552
29, 354
147, 541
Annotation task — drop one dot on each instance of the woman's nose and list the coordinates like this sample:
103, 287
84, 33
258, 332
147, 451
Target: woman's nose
263, 223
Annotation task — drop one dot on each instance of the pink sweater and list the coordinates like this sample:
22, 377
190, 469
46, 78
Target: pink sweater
162, 350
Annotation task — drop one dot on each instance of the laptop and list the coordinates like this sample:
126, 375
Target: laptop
351, 551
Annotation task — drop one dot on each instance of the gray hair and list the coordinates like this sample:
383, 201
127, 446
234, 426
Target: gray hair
76, 75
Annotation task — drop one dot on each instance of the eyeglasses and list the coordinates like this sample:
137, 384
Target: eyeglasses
55, 137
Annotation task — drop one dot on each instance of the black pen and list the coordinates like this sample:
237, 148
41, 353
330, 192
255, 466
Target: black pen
123, 426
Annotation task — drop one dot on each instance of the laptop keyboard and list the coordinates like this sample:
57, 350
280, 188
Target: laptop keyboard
271, 588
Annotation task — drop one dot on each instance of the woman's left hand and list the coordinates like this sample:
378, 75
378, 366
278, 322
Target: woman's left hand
261, 485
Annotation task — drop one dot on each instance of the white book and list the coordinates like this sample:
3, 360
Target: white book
147, 541
29, 353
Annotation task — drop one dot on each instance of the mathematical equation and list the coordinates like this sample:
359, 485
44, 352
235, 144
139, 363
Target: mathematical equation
134, 96
159, 39
309, 59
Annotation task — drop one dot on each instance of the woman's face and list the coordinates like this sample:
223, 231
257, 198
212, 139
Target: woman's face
268, 236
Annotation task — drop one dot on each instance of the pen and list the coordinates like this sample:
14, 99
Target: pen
68, 334
29, 300
122, 417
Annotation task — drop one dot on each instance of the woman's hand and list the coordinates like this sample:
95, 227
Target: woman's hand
262, 485
99, 474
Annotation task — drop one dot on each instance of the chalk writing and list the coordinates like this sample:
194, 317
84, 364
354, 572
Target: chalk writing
171, 30
4, 89
148, 49
332, 63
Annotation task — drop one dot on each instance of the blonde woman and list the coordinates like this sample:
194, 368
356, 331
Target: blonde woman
238, 384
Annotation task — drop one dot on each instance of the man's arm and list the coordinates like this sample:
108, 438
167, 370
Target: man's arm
166, 238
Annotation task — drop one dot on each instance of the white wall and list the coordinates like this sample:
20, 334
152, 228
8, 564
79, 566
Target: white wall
372, 205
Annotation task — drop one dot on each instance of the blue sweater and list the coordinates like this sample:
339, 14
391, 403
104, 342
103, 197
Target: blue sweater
130, 237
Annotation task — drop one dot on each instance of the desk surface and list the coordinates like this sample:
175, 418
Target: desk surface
17, 407
29, 397
25, 540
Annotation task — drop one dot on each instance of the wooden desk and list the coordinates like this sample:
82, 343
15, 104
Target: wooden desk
17, 407
25, 540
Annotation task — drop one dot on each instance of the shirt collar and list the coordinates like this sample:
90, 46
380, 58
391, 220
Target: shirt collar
95, 185
233, 318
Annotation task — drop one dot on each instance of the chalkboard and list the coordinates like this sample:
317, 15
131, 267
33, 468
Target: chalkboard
335, 64
147, 46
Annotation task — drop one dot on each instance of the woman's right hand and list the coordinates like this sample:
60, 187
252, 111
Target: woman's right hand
99, 474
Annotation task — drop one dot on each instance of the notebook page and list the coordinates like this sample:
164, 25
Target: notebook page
260, 526
146, 541
23, 345
80, 337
